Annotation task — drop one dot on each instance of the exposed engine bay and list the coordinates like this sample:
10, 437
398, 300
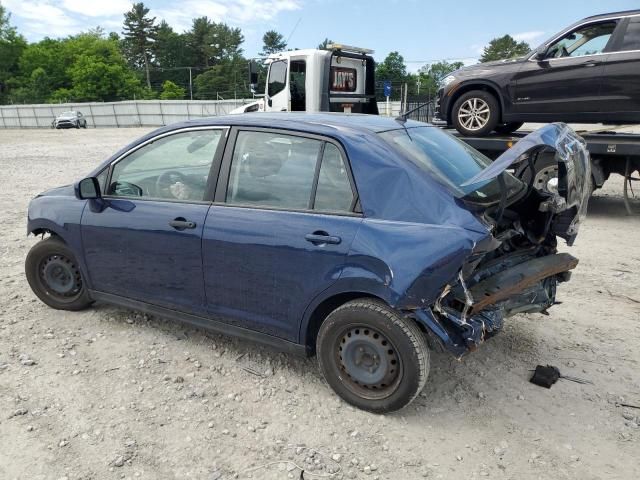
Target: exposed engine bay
517, 268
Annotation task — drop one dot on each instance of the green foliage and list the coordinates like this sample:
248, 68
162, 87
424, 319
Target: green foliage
11, 47
139, 32
503, 48
222, 81
431, 76
273, 42
171, 91
392, 69
323, 45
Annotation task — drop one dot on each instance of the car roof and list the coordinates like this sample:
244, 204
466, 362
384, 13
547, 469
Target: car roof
307, 122
624, 13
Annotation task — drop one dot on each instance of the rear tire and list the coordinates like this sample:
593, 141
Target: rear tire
475, 113
372, 357
54, 276
507, 128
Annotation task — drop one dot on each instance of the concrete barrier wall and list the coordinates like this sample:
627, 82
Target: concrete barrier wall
136, 113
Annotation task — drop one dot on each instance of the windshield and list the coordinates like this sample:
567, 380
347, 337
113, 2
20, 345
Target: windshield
68, 114
451, 162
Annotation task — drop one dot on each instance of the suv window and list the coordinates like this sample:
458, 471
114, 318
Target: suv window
631, 39
334, 192
587, 40
272, 169
175, 167
277, 77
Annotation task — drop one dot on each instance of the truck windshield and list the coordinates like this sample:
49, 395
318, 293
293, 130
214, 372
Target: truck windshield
451, 162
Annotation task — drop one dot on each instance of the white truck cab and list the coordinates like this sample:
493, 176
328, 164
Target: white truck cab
338, 79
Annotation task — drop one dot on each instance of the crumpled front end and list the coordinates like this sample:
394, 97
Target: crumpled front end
518, 268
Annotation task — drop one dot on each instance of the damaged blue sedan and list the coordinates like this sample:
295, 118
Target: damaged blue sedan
361, 239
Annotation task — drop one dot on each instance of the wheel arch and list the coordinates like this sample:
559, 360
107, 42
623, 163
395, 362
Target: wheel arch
322, 308
483, 85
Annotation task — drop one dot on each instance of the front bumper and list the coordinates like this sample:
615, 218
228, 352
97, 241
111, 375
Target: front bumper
441, 106
65, 124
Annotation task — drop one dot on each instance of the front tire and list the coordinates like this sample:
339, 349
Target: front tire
475, 113
54, 276
372, 357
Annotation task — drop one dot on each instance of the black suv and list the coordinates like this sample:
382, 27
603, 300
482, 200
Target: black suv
588, 73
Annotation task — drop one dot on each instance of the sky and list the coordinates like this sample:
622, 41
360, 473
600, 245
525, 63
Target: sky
422, 31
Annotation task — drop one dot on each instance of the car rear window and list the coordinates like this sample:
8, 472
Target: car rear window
450, 161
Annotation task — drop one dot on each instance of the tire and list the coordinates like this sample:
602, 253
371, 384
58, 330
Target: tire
507, 128
53, 275
483, 123
78, 126
372, 357
84, 126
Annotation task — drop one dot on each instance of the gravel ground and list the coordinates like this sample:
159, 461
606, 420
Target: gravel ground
110, 393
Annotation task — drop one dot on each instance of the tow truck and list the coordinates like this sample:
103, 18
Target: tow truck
340, 78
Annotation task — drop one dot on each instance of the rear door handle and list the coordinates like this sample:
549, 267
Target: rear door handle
319, 238
181, 224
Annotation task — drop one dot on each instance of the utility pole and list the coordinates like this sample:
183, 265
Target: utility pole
190, 84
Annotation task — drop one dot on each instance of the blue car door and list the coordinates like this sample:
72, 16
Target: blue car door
143, 240
279, 231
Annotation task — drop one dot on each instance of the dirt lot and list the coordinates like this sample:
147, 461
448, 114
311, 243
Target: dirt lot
109, 393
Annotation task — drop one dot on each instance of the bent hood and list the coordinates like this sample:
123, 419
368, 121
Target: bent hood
574, 167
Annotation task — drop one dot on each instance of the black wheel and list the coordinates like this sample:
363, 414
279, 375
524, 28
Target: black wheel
475, 113
84, 125
372, 357
54, 276
78, 126
507, 128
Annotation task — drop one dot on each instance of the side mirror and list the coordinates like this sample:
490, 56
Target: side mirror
88, 189
253, 73
541, 55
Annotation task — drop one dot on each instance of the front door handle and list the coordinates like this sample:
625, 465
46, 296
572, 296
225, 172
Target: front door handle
181, 224
591, 63
320, 238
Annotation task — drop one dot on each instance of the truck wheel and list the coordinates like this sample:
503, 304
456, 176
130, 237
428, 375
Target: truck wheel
475, 113
53, 275
372, 357
507, 128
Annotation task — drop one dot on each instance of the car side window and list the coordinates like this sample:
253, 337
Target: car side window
334, 192
175, 167
273, 170
631, 40
588, 40
277, 77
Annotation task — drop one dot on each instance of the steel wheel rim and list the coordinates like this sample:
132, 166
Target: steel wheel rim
369, 362
547, 179
474, 114
60, 277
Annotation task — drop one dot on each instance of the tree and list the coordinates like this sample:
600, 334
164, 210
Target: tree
273, 43
503, 48
171, 91
431, 75
139, 32
224, 80
11, 47
392, 68
323, 45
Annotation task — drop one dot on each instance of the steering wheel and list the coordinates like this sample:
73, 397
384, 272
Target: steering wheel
172, 184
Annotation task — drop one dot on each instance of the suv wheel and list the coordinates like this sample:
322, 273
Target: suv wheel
475, 113
53, 275
372, 357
